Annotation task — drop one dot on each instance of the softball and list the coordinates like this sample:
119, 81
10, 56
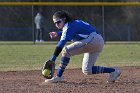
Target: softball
46, 72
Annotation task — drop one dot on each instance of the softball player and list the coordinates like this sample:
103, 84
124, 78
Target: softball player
85, 40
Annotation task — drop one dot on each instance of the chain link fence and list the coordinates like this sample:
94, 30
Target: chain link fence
120, 23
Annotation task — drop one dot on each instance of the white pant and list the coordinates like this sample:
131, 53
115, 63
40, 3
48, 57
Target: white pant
91, 47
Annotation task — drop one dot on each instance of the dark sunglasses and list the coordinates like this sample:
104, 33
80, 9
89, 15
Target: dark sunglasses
58, 22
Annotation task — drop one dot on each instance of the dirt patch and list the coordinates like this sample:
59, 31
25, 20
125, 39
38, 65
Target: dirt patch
75, 82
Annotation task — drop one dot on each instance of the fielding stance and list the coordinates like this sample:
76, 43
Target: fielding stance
85, 40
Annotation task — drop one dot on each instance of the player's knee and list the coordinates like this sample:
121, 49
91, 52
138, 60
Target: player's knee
65, 52
87, 71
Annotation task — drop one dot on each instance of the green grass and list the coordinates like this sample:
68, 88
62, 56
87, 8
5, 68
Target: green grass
120, 55
27, 56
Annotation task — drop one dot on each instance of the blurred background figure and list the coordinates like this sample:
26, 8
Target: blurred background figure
39, 22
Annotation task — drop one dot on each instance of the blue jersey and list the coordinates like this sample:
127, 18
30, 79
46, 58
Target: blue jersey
75, 31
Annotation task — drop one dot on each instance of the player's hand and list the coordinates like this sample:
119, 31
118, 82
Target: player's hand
53, 35
49, 65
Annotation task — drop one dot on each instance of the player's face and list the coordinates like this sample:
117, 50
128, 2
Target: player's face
59, 23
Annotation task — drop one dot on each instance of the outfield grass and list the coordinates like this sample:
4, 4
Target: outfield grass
29, 56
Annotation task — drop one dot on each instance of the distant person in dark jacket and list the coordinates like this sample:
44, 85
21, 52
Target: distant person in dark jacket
39, 22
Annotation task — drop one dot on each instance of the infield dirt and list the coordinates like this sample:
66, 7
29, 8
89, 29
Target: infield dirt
75, 82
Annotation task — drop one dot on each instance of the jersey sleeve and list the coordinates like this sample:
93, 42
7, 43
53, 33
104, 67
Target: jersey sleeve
58, 49
59, 33
68, 34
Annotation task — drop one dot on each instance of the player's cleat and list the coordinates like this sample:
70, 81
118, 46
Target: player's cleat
36, 40
54, 80
41, 40
114, 75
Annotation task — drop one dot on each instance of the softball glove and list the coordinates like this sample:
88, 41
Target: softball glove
50, 65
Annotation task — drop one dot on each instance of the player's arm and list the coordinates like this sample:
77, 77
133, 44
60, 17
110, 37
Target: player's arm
50, 64
66, 36
58, 49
